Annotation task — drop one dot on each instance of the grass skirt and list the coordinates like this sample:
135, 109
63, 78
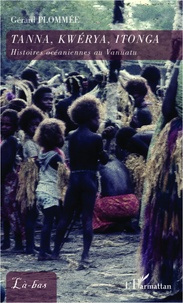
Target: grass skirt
161, 246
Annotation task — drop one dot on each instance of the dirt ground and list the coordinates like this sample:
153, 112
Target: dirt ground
109, 278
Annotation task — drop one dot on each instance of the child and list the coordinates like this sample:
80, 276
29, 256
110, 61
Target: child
16, 104
43, 99
128, 141
85, 153
74, 87
29, 119
49, 135
142, 115
31, 75
9, 179
153, 76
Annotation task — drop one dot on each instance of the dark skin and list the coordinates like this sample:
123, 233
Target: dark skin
86, 147
8, 154
32, 126
86, 152
140, 106
46, 102
61, 112
142, 116
138, 143
7, 127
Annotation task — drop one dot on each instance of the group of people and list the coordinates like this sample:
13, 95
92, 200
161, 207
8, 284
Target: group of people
34, 181
53, 159
36, 137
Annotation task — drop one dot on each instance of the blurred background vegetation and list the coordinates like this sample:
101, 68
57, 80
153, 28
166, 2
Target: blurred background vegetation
93, 15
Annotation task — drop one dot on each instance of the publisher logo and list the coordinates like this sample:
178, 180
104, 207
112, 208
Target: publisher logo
139, 284
24, 287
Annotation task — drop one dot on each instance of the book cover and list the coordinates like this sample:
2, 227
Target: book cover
103, 45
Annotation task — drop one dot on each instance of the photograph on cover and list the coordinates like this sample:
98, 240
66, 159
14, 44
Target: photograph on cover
91, 151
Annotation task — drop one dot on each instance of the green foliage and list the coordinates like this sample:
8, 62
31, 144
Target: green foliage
93, 15
159, 15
